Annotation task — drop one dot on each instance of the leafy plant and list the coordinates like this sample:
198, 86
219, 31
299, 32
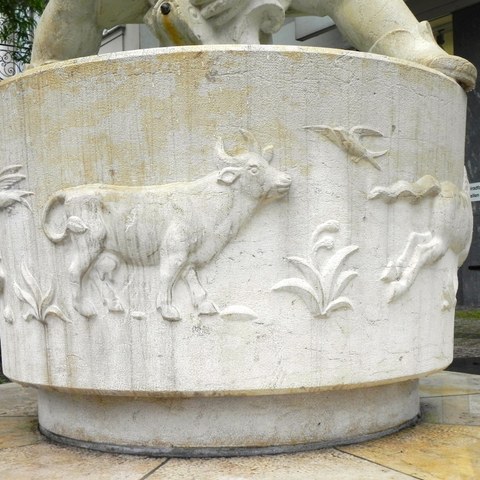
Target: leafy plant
39, 304
9, 177
323, 284
18, 19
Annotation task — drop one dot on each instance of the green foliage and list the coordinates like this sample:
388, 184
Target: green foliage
17, 22
468, 314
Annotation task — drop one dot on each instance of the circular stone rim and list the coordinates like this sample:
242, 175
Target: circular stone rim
195, 49
215, 452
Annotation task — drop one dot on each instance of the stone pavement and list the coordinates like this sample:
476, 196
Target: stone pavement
444, 446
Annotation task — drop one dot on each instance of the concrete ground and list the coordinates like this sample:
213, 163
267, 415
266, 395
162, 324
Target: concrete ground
444, 446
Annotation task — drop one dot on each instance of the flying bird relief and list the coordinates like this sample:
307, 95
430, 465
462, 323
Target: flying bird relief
351, 142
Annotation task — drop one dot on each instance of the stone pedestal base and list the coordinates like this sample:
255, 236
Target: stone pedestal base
227, 426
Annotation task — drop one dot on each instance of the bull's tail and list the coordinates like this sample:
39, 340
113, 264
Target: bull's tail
72, 225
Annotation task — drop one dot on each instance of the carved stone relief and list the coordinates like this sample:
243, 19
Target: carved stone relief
37, 303
177, 227
9, 196
449, 293
351, 142
450, 228
324, 281
238, 312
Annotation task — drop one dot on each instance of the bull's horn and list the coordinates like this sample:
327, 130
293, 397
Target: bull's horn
222, 154
253, 145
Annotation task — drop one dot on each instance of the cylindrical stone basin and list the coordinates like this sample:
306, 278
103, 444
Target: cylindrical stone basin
229, 250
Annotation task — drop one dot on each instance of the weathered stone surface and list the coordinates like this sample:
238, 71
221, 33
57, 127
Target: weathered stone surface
168, 252
18, 401
50, 462
444, 384
320, 465
18, 431
430, 452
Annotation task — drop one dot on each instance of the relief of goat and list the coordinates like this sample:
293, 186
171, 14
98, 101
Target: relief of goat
179, 227
450, 228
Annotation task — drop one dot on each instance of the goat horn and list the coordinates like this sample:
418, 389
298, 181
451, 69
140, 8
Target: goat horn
253, 145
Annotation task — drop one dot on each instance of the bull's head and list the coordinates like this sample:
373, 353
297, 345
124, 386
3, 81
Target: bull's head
252, 171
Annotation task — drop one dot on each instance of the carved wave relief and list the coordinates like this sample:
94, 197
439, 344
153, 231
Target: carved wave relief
351, 142
324, 282
37, 303
450, 228
177, 227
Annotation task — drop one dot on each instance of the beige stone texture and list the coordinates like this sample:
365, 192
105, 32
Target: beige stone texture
449, 383
429, 452
321, 465
18, 431
51, 462
18, 401
460, 410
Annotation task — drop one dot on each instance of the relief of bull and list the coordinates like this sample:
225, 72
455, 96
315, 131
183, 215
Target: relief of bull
179, 227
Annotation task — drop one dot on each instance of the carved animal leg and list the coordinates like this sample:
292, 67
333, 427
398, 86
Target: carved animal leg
106, 267
393, 271
198, 294
67, 29
171, 268
425, 254
390, 28
79, 266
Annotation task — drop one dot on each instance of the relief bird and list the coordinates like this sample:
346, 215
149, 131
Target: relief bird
9, 177
351, 141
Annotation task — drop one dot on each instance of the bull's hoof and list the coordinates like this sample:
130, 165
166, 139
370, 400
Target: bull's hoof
207, 308
87, 310
169, 313
115, 306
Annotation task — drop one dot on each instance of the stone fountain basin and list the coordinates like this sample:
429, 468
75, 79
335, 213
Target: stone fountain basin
301, 343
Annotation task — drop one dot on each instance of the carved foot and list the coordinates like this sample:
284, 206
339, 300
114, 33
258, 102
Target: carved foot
419, 45
457, 68
398, 289
86, 309
115, 306
390, 273
207, 308
169, 313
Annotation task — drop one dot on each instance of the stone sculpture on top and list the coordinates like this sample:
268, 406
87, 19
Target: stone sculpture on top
70, 29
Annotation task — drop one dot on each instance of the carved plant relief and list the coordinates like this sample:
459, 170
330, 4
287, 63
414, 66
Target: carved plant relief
177, 227
450, 228
323, 282
37, 304
7, 311
351, 142
9, 178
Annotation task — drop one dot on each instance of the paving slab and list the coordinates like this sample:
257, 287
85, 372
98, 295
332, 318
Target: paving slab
453, 410
18, 401
51, 462
18, 431
427, 452
320, 465
449, 383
